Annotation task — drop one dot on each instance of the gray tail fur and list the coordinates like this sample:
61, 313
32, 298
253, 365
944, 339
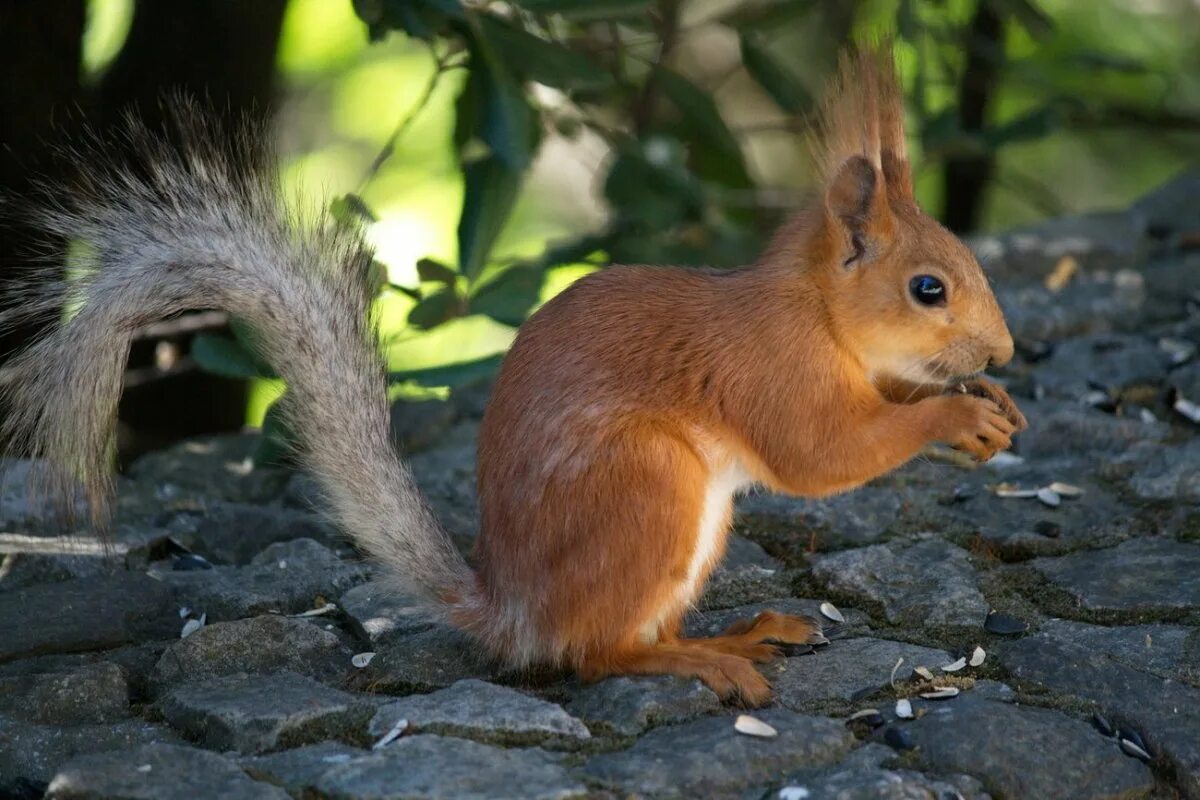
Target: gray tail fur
182, 226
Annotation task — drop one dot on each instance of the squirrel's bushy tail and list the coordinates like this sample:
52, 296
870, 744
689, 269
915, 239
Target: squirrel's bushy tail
181, 226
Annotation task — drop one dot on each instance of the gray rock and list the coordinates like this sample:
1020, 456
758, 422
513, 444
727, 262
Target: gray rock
217, 467
474, 709
420, 424
90, 693
157, 772
1169, 652
627, 706
1153, 575
32, 752
424, 661
1102, 669
738, 586
1112, 361
446, 476
23, 502
792, 526
863, 776
379, 612
269, 643
432, 768
1169, 208
287, 577
1166, 473
707, 757
1057, 429
1098, 241
258, 713
85, 614
19, 570
829, 678
1023, 751
233, 533
929, 582
298, 769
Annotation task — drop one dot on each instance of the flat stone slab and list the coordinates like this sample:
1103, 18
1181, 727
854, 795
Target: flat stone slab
1022, 751
298, 769
707, 757
626, 706
233, 533
1149, 575
259, 713
1167, 472
217, 467
475, 709
157, 772
90, 693
263, 644
832, 676
434, 768
929, 582
864, 775
713, 623
379, 613
32, 753
1140, 690
85, 614
422, 662
286, 578
791, 526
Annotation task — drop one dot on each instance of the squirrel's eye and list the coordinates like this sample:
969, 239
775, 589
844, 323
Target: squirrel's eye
927, 290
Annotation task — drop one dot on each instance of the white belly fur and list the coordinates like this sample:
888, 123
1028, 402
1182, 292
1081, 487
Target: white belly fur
729, 478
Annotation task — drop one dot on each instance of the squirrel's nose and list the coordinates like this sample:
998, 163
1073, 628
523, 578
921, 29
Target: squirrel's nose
1002, 353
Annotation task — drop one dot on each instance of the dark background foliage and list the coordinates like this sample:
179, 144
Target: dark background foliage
522, 144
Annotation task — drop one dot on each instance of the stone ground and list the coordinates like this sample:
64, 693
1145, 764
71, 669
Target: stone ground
100, 697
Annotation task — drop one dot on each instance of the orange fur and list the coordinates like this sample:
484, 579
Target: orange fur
634, 404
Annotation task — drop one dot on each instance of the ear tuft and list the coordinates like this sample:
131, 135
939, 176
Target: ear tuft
851, 192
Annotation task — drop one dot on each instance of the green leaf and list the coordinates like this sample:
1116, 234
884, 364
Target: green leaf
510, 295
785, 89
223, 356
248, 339
430, 270
653, 192
497, 110
452, 375
540, 60
489, 193
421, 19
278, 439
442, 305
720, 158
351, 209
588, 10
1033, 19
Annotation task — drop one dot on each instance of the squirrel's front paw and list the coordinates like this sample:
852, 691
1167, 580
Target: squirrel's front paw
976, 425
996, 393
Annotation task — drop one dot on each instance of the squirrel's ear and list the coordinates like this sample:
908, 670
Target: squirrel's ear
853, 205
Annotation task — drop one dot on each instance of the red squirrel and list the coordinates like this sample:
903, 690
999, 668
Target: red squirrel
630, 411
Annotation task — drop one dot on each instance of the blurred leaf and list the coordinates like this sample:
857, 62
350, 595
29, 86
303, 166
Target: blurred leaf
223, 356
278, 438
785, 89
654, 192
444, 304
540, 60
1096, 59
246, 337
421, 19
350, 208
588, 10
430, 270
720, 158
452, 375
497, 110
1033, 19
510, 296
1035, 124
489, 192
765, 15
907, 23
